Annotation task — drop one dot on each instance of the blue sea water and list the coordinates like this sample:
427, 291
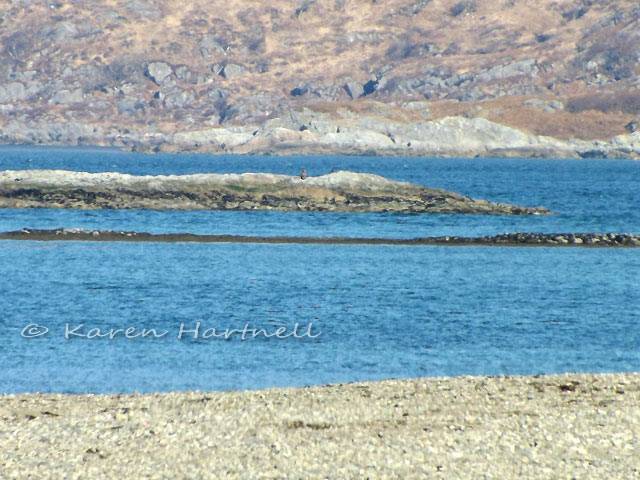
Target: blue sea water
379, 311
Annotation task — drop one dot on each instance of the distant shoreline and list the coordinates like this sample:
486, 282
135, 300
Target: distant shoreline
601, 151
588, 240
365, 134
499, 154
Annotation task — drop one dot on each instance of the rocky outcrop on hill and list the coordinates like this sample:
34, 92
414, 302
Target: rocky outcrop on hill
339, 191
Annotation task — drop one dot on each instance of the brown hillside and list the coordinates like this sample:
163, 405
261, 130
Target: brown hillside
167, 66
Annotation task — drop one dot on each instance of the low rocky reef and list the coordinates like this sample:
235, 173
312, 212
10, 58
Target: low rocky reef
546, 239
339, 191
506, 240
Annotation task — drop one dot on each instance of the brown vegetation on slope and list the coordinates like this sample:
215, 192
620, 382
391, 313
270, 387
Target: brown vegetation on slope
74, 72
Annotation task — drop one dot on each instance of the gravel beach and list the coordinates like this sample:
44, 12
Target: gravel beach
565, 426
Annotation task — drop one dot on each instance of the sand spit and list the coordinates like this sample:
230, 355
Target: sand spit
566, 426
504, 240
339, 191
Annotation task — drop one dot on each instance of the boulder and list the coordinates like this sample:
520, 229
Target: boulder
158, 71
210, 46
231, 70
414, 8
66, 97
217, 94
527, 67
183, 73
328, 92
144, 9
354, 90
299, 91
217, 68
179, 99
467, 6
303, 7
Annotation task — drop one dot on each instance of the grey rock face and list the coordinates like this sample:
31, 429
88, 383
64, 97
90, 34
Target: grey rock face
434, 83
256, 109
184, 74
414, 8
217, 68
310, 132
303, 7
354, 90
129, 105
146, 9
158, 71
328, 92
179, 99
210, 46
466, 6
217, 94
63, 31
523, 67
65, 97
12, 92
231, 70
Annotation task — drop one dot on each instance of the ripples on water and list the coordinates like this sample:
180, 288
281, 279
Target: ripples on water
383, 311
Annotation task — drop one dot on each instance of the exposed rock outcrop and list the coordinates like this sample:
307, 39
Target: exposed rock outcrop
339, 191
158, 71
311, 132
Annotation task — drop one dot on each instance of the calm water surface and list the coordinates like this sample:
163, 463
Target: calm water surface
381, 311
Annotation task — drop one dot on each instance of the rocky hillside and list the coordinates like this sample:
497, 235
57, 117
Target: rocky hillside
394, 76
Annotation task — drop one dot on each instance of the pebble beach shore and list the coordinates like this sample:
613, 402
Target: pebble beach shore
564, 426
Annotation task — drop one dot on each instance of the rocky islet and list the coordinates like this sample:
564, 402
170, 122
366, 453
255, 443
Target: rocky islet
339, 191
